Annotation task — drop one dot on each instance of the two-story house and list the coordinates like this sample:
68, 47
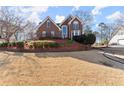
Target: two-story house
71, 26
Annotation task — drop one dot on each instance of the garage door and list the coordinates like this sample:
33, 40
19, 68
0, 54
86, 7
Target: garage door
121, 42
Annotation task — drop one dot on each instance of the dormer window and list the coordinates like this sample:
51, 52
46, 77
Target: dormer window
75, 25
48, 24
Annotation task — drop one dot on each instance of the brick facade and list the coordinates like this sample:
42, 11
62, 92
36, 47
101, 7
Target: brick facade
48, 28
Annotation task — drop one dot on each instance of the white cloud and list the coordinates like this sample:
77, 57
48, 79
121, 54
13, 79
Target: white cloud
96, 10
116, 15
59, 18
30, 13
75, 8
34, 17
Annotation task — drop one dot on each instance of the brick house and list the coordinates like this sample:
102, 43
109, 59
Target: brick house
71, 26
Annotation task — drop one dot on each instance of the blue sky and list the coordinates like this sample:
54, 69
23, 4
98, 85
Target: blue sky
101, 14
58, 13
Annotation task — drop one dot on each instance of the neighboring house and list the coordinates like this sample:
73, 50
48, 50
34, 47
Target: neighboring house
3, 30
118, 38
71, 26
18, 36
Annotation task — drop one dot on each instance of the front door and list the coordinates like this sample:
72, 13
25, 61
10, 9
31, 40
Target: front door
64, 31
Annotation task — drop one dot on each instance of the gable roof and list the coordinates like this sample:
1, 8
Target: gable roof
50, 20
75, 18
120, 29
70, 16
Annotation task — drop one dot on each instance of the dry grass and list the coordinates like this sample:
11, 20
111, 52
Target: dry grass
32, 70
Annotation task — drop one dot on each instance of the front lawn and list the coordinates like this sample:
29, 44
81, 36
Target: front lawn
34, 69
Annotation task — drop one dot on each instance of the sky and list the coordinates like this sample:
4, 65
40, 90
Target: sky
58, 13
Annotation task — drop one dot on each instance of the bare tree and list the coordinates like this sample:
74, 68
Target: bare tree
30, 31
119, 23
87, 18
116, 26
12, 22
109, 30
105, 32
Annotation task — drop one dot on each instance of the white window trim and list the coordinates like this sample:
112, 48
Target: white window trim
74, 32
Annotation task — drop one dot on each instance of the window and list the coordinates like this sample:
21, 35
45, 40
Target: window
44, 34
76, 32
52, 33
64, 31
48, 24
75, 25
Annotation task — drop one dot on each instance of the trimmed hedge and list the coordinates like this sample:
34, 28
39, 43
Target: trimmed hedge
45, 44
34, 45
38, 44
12, 44
20, 44
4, 44
53, 45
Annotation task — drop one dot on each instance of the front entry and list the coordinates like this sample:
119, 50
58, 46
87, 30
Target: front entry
75, 33
64, 31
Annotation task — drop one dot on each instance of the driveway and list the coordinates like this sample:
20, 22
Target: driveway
114, 50
94, 56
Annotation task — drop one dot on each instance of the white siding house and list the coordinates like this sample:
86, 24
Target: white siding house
118, 38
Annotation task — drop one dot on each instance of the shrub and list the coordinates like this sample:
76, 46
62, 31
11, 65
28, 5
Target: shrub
61, 44
38, 44
20, 44
55, 38
4, 44
85, 39
91, 38
30, 46
13, 44
53, 44
69, 41
46, 44
80, 39
9, 44
76, 38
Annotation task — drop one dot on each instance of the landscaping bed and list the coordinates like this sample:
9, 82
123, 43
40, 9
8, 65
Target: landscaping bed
57, 45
